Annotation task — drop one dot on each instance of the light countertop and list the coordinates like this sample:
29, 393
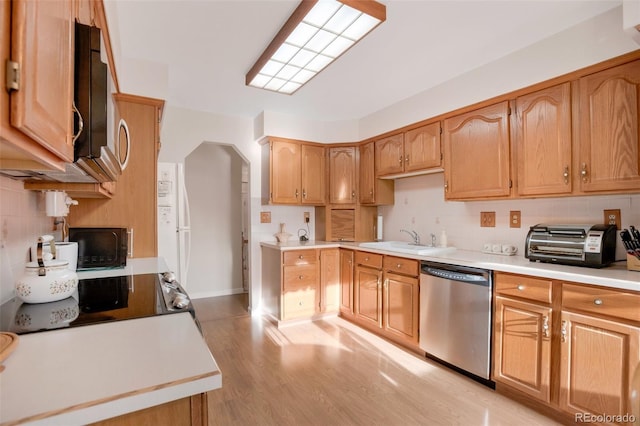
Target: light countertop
614, 276
85, 374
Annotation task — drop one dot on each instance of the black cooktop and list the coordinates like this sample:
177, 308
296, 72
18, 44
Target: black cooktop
97, 300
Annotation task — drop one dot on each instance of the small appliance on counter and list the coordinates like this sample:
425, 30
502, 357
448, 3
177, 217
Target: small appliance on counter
631, 240
593, 246
101, 247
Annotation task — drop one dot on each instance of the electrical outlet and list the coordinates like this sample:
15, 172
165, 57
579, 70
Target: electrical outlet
306, 217
514, 219
612, 217
265, 217
488, 219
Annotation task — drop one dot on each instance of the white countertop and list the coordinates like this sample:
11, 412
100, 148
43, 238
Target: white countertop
86, 374
615, 276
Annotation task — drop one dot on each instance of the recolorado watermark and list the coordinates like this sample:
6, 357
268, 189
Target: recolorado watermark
604, 418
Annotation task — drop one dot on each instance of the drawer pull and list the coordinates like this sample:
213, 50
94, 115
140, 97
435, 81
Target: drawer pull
300, 277
399, 265
545, 326
520, 287
597, 302
301, 257
366, 259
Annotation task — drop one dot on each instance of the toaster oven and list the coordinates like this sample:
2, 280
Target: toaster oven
581, 245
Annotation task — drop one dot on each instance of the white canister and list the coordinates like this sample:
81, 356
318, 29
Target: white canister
58, 282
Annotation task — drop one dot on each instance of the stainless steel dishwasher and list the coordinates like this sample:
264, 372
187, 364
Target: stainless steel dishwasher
455, 316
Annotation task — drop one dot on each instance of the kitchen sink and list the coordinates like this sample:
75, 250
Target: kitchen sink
405, 247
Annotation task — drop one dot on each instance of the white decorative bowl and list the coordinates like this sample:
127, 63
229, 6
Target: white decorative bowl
58, 282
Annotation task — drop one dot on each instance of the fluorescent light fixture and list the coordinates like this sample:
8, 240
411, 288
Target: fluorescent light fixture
315, 35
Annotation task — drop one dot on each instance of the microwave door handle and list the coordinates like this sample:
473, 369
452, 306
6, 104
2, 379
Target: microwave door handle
123, 125
130, 233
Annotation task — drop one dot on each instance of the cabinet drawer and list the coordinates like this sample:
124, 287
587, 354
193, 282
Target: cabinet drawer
612, 303
526, 287
298, 300
401, 265
369, 259
297, 276
300, 257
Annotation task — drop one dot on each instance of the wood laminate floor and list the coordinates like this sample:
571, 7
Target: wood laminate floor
331, 372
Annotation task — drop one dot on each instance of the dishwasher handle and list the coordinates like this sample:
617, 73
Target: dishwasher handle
478, 279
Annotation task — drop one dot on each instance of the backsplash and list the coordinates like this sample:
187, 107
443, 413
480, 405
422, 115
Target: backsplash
420, 205
22, 221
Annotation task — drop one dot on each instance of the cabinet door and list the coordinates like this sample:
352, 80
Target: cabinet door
343, 225
543, 141
598, 359
346, 281
330, 273
522, 346
313, 175
368, 296
390, 155
400, 306
367, 173
476, 154
342, 166
42, 44
285, 172
609, 158
422, 148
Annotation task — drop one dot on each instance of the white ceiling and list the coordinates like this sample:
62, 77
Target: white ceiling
195, 53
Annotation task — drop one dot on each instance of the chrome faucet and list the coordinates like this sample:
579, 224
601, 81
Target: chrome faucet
414, 235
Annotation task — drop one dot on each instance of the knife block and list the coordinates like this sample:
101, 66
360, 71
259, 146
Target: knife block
633, 263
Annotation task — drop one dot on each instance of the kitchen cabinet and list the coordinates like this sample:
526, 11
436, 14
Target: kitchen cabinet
415, 150
372, 191
330, 273
572, 347
347, 266
609, 153
134, 204
477, 154
542, 145
190, 411
368, 289
346, 222
401, 315
600, 349
386, 296
294, 173
342, 175
522, 334
36, 117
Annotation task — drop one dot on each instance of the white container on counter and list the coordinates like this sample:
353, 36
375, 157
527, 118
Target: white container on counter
64, 251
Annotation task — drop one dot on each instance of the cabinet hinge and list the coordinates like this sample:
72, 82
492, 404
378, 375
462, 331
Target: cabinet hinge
12, 75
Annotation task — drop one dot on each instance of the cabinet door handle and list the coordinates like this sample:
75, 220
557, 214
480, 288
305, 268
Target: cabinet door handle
80, 123
565, 175
406, 159
545, 326
563, 331
297, 193
400, 160
584, 173
353, 194
446, 186
304, 194
386, 283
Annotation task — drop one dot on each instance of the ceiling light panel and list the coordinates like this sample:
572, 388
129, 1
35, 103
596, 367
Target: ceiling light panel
317, 33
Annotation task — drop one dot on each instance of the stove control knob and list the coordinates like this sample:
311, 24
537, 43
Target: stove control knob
169, 277
180, 301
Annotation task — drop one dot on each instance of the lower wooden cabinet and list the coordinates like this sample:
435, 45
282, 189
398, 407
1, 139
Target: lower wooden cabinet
572, 347
386, 296
190, 411
299, 284
347, 265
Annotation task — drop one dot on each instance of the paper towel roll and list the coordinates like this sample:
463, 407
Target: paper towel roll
379, 229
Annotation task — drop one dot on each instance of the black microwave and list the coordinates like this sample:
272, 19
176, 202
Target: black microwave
101, 247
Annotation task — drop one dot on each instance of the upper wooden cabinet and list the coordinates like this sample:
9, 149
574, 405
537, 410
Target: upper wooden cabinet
372, 190
542, 146
476, 154
412, 151
294, 173
36, 117
609, 156
342, 175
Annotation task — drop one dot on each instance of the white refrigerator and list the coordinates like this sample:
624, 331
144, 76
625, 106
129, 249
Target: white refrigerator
174, 230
